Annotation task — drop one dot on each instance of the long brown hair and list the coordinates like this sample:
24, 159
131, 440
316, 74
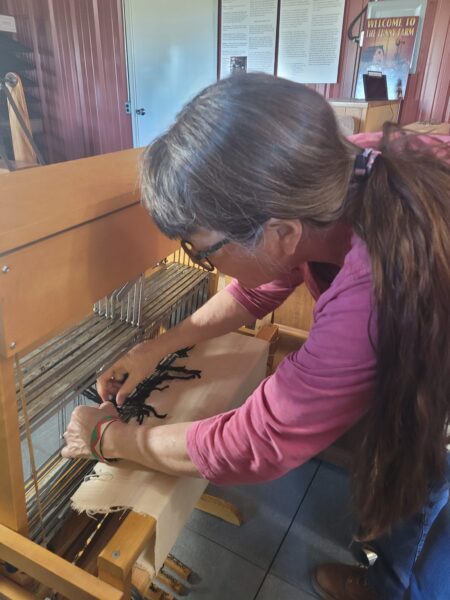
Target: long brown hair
254, 147
402, 212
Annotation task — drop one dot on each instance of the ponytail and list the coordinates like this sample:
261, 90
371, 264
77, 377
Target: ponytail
402, 212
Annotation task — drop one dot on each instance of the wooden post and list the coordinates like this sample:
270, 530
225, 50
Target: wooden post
116, 560
269, 333
213, 284
13, 512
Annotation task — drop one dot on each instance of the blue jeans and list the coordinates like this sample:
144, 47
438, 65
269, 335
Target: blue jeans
414, 561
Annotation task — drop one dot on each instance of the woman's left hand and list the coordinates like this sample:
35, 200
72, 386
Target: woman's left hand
79, 430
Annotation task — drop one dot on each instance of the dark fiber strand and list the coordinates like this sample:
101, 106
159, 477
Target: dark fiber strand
134, 406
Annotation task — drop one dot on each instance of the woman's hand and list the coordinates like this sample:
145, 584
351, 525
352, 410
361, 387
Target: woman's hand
125, 374
79, 430
162, 448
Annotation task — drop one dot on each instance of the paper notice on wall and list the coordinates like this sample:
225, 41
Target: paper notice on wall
8, 24
248, 36
310, 40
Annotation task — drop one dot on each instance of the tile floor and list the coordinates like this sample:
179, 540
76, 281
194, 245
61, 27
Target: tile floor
290, 525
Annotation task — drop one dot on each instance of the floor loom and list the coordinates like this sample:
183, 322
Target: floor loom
70, 234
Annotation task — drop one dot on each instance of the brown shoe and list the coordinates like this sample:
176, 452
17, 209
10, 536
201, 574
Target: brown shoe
341, 582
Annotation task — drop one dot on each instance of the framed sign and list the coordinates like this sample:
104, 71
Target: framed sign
401, 8
387, 49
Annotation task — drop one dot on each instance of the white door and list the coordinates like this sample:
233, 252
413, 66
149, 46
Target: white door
172, 55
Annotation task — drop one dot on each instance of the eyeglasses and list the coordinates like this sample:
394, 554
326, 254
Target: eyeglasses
201, 258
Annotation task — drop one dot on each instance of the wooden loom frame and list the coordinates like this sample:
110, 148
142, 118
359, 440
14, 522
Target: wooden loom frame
70, 233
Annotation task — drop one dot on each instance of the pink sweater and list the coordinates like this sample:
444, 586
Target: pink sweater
316, 394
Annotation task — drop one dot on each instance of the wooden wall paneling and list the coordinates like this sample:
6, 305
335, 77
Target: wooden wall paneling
348, 62
66, 102
91, 74
63, 100
411, 104
117, 131
435, 89
46, 74
98, 50
45, 70
447, 111
296, 310
81, 73
80, 69
91, 82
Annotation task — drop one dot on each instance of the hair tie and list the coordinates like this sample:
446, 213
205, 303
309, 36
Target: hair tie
364, 162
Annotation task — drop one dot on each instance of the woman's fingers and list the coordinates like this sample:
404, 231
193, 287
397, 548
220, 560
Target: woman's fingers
112, 388
121, 379
126, 389
104, 381
108, 408
110, 382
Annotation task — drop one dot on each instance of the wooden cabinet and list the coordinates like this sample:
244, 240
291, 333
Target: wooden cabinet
367, 115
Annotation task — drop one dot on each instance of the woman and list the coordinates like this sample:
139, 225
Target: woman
256, 177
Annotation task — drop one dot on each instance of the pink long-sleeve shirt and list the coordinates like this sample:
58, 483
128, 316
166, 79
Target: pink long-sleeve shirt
315, 395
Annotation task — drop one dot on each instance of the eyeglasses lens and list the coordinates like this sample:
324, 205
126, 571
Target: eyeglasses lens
202, 262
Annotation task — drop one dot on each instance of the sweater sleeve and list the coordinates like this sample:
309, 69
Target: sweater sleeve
316, 394
264, 299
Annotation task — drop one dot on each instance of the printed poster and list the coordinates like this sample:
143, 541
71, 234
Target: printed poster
248, 35
310, 40
388, 48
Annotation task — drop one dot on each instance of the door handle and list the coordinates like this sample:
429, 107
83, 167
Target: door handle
140, 111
